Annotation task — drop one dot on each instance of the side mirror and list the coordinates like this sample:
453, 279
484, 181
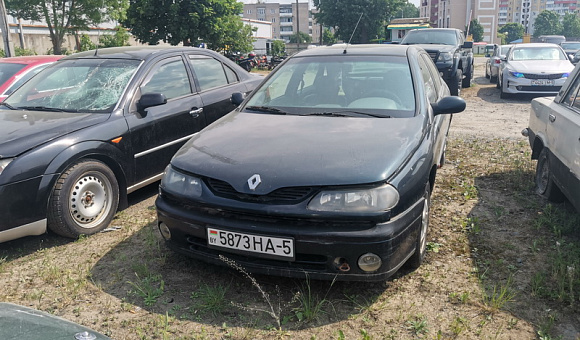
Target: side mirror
467, 44
451, 104
487, 55
149, 100
503, 58
237, 98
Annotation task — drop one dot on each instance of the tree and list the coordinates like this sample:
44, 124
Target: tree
278, 48
410, 10
513, 31
343, 16
215, 22
328, 37
300, 37
571, 25
475, 30
547, 22
65, 16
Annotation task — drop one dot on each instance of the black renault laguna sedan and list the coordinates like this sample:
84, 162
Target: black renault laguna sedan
326, 170
97, 125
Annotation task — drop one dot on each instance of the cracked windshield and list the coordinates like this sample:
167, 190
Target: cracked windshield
91, 85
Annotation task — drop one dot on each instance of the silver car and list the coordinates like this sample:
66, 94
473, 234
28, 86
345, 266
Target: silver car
536, 68
492, 64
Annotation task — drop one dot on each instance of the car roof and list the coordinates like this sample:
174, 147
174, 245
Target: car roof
362, 49
31, 59
531, 45
132, 52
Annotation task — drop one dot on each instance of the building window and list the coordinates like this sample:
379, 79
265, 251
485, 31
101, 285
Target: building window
249, 11
272, 11
262, 11
273, 19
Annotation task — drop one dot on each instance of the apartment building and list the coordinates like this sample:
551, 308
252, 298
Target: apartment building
286, 18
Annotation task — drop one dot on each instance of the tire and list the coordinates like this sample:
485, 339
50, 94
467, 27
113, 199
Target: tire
456, 90
545, 185
487, 73
417, 258
466, 82
493, 79
498, 82
84, 199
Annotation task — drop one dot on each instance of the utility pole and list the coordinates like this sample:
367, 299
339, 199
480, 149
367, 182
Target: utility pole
298, 38
8, 47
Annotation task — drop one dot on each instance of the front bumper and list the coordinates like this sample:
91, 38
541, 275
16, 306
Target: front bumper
321, 247
515, 85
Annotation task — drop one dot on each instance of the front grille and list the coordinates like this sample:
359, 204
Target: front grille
433, 55
539, 88
282, 195
543, 76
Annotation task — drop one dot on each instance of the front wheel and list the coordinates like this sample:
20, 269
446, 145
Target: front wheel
455, 85
417, 258
84, 199
466, 82
545, 185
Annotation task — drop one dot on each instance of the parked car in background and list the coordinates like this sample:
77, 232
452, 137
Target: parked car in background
552, 39
554, 135
492, 64
449, 51
326, 170
537, 68
15, 71
20, 322
570, 48
97, 125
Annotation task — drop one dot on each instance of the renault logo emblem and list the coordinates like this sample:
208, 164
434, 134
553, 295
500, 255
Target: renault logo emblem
254, 181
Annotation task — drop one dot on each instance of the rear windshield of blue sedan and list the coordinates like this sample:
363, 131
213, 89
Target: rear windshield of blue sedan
82, 85
378, 85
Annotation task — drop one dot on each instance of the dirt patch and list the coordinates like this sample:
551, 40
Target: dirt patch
493, 270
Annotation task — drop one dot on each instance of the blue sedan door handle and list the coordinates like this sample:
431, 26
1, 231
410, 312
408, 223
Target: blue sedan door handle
552, 118
195, 112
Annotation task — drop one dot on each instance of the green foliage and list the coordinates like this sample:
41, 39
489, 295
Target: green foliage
476, 30
344, 15
119, 38
410, 10
300, 37
571, 25
215, 22
328, 37
547, 22
86, 43
64, 17
18, 51
278, 48
512, 31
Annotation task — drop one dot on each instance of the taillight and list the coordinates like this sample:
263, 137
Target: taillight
497, 61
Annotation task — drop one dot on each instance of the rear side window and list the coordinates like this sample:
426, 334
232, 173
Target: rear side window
209, 72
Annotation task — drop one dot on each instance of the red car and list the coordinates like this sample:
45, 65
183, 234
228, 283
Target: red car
16, 71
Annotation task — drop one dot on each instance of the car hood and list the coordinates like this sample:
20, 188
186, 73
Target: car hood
436, 47
541, 66
23, 130
288, 151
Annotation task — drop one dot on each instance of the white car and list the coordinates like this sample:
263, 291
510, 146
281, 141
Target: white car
554, 135
536, 68
492, 64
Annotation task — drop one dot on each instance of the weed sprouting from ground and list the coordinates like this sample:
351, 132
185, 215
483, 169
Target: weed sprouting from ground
273, 312
311, 306
149, 288
213, 298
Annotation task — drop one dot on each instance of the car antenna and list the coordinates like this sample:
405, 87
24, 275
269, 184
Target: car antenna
348, 43
98, 36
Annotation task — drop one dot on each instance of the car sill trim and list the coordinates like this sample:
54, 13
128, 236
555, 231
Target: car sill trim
30, 229
157, 148
144, 183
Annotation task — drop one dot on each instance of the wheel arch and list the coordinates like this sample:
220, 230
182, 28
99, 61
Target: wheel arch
95, 150
537, 147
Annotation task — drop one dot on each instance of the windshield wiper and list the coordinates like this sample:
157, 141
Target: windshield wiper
45, 108
8, 105
268, 109
345, 113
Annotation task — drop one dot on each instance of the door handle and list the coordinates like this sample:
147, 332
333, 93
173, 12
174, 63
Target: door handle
195, 112
552, 118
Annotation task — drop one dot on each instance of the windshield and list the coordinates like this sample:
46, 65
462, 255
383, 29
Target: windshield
537, 53
377, 86
503, 50
430, 36
83, 85
7, 70
571, 46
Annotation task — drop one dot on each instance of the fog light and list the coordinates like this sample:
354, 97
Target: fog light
165, 232
369, 262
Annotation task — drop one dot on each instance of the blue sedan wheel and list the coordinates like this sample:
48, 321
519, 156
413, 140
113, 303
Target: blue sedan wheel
84, 200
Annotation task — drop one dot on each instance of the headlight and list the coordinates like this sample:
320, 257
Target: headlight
370, 200
180, 184
565, 75
517, 74
445, 56
4, 163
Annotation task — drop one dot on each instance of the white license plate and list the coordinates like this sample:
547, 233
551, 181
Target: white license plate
542, 82
265, 246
